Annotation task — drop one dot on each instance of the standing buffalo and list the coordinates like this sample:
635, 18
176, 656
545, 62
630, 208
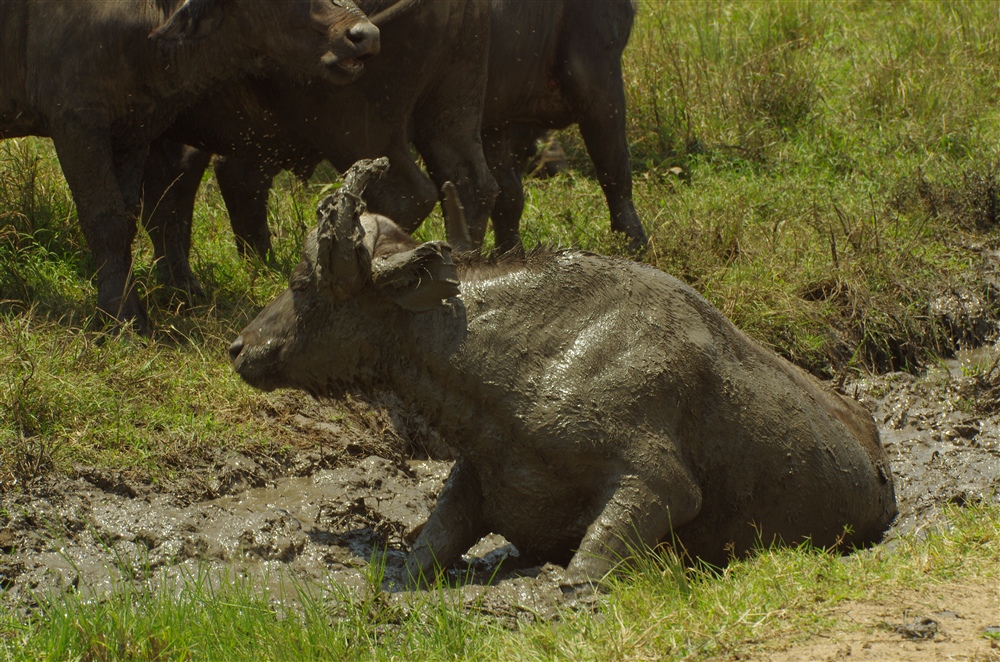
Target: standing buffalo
595, 403
551, 64
103, 78
426, 87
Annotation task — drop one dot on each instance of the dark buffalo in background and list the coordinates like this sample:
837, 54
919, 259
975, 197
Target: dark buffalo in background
551, 64
425, 87
596, 404
103, 78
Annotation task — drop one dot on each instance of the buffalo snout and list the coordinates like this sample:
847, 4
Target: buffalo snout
257, 352
363, 41
365, 36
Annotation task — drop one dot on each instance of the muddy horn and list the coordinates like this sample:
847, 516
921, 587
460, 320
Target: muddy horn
342, 260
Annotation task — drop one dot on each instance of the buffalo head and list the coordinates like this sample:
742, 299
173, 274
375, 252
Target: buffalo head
320, 334
309, 38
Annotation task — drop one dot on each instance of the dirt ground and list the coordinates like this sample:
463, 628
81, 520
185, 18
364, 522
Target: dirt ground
320, 514
938, 622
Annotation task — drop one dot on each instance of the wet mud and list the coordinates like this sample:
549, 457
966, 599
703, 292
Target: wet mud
942, 447
359, 495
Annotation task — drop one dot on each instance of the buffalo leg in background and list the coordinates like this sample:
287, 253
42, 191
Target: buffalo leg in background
245, 186
509, 205
593, 83
448, 136
171, 179
403, 193
99, 182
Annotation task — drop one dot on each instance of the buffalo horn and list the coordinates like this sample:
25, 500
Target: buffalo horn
343, 261
393, 12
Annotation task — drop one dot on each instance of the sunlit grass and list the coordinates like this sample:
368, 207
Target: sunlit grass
656, 609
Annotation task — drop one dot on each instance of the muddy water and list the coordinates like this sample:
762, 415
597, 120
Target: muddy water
940, 449
322, 523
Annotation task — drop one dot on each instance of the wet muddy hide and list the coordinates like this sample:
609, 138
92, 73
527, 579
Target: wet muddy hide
596, 404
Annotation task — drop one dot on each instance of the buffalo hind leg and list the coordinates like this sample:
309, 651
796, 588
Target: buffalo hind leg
638, 515
171, 179
509, 205
455, 524
595, 88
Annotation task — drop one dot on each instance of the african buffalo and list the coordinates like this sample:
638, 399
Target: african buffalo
551, 64
554, 64
595, 403
103, 78
426, 87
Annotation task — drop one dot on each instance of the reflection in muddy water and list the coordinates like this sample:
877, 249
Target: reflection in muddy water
324, 525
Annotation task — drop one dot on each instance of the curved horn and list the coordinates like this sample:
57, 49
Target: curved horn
192, 20
392, 12
341, 257
455, 227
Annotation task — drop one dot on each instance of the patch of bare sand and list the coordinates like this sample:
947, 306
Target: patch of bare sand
936, 622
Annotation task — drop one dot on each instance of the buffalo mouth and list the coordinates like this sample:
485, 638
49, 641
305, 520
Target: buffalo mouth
350, 67
260, 381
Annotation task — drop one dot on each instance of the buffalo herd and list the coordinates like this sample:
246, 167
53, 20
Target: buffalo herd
597, 404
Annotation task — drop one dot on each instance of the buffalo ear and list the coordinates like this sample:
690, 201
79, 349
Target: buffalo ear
418, 279
193, 20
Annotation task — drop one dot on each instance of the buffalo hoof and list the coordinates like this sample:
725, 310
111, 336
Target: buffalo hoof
180, 282
636, 234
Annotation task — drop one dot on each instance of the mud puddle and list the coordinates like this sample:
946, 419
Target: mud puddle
942, 448
322, 516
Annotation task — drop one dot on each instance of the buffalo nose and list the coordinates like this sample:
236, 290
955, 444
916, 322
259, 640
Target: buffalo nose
366, 37
235, 349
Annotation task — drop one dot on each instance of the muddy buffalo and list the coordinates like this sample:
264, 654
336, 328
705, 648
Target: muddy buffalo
103, 78
596, 403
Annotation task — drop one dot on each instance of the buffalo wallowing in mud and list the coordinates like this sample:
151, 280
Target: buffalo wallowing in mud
596, 404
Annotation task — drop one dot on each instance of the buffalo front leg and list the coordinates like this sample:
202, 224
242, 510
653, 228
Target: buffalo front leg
88, 164
638, 515
455, 524
170, 184
464, 166
245, 186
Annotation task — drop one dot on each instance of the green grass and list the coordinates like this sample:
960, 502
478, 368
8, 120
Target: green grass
656, 610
